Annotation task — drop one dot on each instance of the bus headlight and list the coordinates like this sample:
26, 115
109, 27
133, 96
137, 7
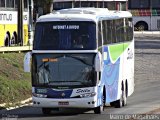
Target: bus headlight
88, 95
39, 95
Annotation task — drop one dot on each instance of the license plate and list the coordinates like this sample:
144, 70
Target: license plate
63, 103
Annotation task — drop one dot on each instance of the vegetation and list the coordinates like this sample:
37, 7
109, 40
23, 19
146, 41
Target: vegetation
15, 85
46, 5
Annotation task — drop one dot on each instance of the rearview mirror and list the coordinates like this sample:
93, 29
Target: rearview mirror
98, 62
27, 62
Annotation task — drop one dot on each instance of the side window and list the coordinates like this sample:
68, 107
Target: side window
131, 28
104, 24
118, 30
109, 31
67, 4
77, 4
139, 4
10, 3
2, 3
155, 4
122, 30
114, 39
125, 29
16, 3
25, 4
111, 5
99, 35
128, 29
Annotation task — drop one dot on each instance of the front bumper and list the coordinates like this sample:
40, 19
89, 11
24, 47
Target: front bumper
90, 102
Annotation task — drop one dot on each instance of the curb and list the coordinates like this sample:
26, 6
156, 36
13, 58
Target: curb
22, 103
146, 34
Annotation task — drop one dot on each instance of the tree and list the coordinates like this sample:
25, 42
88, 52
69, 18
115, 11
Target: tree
47, 6
48, 1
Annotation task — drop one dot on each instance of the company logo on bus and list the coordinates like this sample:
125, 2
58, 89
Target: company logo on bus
6, 17
130, 54
63, 94
82, 90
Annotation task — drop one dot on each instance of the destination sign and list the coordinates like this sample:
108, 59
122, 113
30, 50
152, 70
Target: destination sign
70, 27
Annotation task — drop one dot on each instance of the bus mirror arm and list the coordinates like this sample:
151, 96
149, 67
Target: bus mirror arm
98, 62
27, 62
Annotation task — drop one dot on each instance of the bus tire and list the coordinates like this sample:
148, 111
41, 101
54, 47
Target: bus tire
124, 101
125, 94
119, 103
112, 104
141, 26
7, 41
14, 39
100, 109
46, 111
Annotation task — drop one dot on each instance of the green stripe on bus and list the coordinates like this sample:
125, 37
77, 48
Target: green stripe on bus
117, 50
154, 12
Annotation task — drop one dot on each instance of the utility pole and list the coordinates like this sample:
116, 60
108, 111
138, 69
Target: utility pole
30, 24
151, 15
20, 21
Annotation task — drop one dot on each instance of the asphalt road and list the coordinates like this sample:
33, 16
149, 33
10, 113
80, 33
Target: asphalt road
146, 97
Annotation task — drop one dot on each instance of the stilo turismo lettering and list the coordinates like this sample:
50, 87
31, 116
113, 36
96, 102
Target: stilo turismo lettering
6, 17
82, 90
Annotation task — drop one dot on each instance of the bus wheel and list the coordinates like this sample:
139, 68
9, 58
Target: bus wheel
112, 104
7, 41
14, 39
125, 94
124, 102
99, 109
119, 103
46, 111
141, 26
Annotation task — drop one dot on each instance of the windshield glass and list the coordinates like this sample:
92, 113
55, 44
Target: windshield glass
63, 70
62, 35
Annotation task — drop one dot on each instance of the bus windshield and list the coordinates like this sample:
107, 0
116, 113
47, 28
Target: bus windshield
63, 70
65, 35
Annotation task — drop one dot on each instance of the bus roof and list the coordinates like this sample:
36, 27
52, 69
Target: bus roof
84, 14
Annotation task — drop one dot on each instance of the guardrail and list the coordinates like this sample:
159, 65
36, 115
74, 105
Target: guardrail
15, 49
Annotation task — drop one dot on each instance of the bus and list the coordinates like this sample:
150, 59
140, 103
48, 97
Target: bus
82, 58
8, 23
110, 4
146, 14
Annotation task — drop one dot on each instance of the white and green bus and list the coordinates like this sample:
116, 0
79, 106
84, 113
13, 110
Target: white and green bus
82, 58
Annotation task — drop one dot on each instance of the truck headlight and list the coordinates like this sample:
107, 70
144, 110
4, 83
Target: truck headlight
88, 95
